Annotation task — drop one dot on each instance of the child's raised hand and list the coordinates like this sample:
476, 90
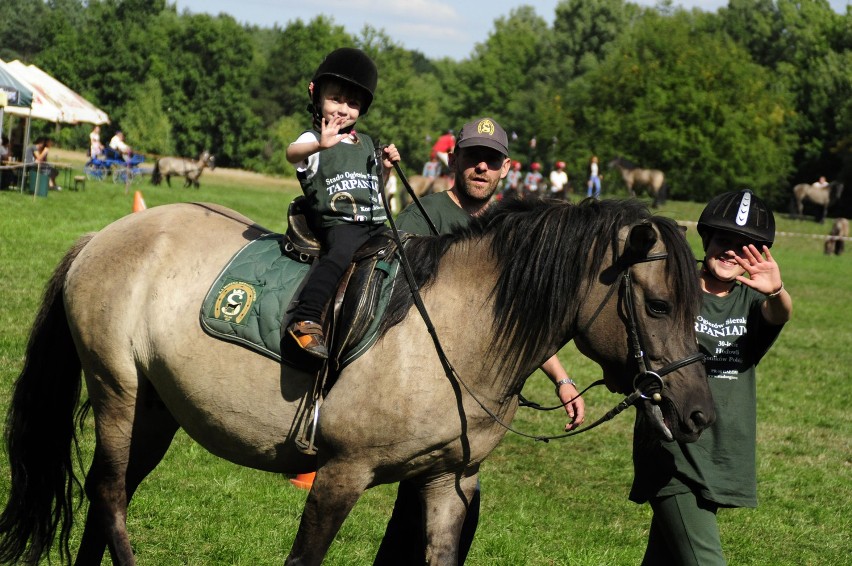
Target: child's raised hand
329, 132
763, 273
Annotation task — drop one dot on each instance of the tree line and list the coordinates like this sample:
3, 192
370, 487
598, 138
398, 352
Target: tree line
757, 94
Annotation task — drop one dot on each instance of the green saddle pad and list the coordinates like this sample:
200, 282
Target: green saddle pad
248, 300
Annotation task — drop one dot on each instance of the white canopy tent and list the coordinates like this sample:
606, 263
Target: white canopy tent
72, 108
43, 108
51, 101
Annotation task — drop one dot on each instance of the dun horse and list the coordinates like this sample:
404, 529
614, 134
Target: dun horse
821, 196
181, 167
421, 186
502, 299
835, 243
652, 179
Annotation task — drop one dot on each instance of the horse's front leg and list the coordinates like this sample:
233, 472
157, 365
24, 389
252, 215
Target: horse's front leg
446, 503
335, 491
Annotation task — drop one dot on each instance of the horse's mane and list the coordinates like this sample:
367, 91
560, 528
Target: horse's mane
626, 163
545, 251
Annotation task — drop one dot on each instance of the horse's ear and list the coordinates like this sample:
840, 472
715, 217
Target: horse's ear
641, 239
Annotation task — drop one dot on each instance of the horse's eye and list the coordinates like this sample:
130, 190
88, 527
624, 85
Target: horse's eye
658, 308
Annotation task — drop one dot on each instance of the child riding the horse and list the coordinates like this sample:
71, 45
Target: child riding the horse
337, 171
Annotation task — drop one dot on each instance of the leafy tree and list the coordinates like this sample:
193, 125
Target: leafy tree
205, 89
582, 30
805, 44
691, 104
498, 81
22, 29
145, 121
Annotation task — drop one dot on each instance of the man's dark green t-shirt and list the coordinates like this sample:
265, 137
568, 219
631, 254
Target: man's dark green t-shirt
444, 212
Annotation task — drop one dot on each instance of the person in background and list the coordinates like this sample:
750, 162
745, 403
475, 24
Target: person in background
744, 308
118, 144
37, 155
5, 157
534, 180
443, 147
338, 174
432, 168
512, 183
478, 164
594, 185
559, 181
96, 148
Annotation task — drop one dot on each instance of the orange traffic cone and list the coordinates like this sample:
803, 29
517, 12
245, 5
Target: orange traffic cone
138, 202
304, 481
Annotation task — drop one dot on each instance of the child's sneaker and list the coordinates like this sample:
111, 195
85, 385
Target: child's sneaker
310, 338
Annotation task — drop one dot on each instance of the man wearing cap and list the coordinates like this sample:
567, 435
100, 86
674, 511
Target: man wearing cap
478, 164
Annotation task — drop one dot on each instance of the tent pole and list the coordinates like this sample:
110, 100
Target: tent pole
26, 145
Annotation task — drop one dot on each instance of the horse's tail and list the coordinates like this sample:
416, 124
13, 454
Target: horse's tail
40, 433
156, 177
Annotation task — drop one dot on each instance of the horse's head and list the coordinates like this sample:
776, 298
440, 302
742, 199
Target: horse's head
836, 191
207, 160
638, 325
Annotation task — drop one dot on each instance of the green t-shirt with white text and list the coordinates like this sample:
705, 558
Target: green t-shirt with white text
721, 465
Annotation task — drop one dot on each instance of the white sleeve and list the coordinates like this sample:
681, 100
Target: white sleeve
310, 165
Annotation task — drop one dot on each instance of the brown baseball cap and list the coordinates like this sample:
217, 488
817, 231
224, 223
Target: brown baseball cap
484, 132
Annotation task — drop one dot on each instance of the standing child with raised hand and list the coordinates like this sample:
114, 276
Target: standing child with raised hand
740, 319
338, 172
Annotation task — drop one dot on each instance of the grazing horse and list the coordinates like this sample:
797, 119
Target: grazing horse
824, 196
123, 307
652, 179
182, 167
421, 185
835, 243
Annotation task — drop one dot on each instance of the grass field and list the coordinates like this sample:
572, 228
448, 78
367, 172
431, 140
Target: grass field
543, 504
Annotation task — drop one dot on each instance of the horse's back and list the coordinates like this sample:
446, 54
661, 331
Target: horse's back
133, 298
151, 263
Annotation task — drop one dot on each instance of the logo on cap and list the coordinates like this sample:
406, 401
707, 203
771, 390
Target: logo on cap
742, 213
485, 126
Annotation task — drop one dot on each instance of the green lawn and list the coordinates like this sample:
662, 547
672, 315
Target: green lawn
559, 503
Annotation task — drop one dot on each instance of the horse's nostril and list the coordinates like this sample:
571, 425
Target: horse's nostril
699, 420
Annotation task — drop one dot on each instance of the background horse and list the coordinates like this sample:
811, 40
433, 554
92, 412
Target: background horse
820, 196
653, 179
182, 167
502, 298
422, 186
835, 243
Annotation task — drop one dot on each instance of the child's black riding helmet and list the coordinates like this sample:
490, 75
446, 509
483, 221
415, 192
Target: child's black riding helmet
741, 212
351, 65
